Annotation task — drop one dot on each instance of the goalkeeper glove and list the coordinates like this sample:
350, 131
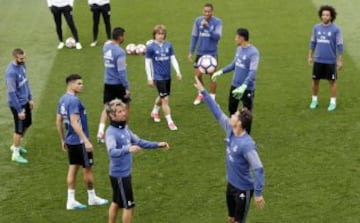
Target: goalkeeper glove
238, 92
216, 75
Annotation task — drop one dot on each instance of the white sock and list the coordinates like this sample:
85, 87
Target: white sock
156, 109
332, 100
212, 96
16, 151
71, 195
101, 127
91, 194
314, 97
168, 118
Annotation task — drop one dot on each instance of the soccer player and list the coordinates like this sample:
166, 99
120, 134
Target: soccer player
115, 77
71, 114
121, 142
159, 55
20, 102
205, 36
100, 7
64, 7
327, 44
245, 64
241, 158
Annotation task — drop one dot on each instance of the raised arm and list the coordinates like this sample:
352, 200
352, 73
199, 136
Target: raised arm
216, 32
115, 150
143, 143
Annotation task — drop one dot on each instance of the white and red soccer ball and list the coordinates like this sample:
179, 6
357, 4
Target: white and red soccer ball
140, 49
70, 42
131, 48
207, 64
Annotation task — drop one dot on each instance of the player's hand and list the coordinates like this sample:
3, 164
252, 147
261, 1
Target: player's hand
22, 115
127, 95
31, 104
134, 149
216, 75
204, 23
179, 76
339, 64
163, 146
190, 58
151, 83
64, 146
310, 61
198, 85
259, 202
88, 146
238, 92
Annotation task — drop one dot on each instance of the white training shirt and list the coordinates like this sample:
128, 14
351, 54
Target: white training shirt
99, 2
60, 3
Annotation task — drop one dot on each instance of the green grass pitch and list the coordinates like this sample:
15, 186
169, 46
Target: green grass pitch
311, 158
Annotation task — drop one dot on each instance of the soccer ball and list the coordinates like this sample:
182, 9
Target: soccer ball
70, 42
207, 64
140, 49
150, 41
131, 48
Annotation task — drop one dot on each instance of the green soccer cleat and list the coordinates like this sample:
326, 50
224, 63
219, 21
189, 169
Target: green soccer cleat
313, 104
332, 107
19, 159
22, 150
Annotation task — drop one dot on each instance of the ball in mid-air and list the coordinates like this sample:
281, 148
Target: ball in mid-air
140, 49
207, 64
131, 48
70, 42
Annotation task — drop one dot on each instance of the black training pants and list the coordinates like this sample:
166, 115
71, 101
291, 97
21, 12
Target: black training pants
67, 12
105, 11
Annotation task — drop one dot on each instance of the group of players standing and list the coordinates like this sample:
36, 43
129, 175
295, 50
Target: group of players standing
241, 153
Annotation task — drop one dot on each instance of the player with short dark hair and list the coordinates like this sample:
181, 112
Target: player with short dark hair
20, 102
327, 45
121, 142
116, 84
64, 7
205, 35
241, 159
159, 55
100, 7
245, 65
71, 114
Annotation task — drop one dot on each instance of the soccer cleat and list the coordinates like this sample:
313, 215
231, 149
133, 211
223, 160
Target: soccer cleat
313, 104
172, 126
74, 205
198, 99
60, 45
100, 137
97, 201
93, 44
78, 46
332, 107
18, 158
22, 150
155, 116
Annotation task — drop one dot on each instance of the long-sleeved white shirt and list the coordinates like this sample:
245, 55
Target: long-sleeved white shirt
99, 2
60, 3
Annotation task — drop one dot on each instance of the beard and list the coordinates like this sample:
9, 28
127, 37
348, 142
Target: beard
20, 63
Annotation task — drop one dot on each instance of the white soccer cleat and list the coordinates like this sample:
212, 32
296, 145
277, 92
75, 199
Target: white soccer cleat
74, 205
155, 116
60, 45
93, 44
97, 201
78, 46
172, 126
198, 99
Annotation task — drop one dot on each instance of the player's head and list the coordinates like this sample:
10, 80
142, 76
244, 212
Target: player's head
242, 118
118, 34
208, 10
159, 33
327, 14
74, 83
116, 110
19, 56
242, 35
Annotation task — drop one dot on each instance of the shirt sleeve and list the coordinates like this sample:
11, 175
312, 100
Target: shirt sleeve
112, 147
74, 107
141, 142
11, 87
175, 64
49, 2
231, 66
255, 163
194, 37
149, 69
254, 62
217, 31
121, 68
339, 42
313, 39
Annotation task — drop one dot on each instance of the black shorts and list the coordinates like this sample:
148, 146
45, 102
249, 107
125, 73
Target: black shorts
238, 202
163, 87
198, 57
22, 125
115, 91
122, 192
105, 9
324, 71
79, 156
